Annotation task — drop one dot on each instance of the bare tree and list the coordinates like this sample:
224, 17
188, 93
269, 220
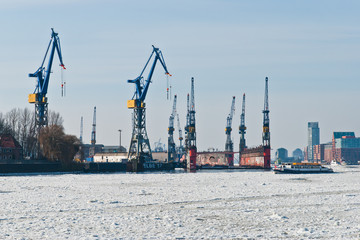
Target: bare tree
12, 120
27, 132
54, 118
4, 128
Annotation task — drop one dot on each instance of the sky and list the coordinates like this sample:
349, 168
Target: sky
308, 49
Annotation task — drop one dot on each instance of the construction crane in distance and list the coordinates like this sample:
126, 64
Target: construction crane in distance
191, 136
242, 128
43, 77
266, 123
186, 128
181, 149
266, 128
81, 130
229, 146
171, 143
139, 150
93, 136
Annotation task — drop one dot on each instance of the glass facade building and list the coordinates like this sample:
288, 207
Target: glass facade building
313, 139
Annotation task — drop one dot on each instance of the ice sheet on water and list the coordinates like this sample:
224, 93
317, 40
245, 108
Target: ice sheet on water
239, 204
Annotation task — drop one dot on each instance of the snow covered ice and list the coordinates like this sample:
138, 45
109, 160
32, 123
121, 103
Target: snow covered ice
211, 205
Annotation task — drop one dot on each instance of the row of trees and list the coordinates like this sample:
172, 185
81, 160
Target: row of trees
55, 145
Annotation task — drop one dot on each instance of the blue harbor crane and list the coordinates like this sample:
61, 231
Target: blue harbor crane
139, 150
43, 76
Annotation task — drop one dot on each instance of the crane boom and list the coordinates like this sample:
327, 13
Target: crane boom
172, 116
171, 143
180, 131
43, 76
142, 86
230, 117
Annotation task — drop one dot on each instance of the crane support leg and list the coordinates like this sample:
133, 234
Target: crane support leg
41, 113
139, 150
41, 120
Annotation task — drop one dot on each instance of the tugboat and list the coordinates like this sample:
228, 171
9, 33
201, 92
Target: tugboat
301, 168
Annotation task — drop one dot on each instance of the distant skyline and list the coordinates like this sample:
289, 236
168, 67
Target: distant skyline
309, 50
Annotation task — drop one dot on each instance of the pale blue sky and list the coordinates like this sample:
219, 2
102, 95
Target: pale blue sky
308, 49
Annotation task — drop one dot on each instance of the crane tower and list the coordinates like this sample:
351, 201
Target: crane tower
266, 128
93, 136
81, 129
229, 146
242, 128
187, 122
171, 143
181, 149
139, 150
191, 136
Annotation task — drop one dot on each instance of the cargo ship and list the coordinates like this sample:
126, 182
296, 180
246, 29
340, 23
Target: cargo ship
301, 168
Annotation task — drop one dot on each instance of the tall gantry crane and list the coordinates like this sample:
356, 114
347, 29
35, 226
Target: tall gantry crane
186, 128
181, 149
43, 77
171, 143
266, 123
191, 136
266, 128
242, 128
93, 135
139, 150
81, 129
229, 146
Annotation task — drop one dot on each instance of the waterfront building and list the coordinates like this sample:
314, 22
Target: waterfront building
10, 149
346, 147
281, 154
298, 155
313, 139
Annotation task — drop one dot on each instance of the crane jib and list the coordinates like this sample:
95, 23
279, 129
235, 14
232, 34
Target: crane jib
143, 86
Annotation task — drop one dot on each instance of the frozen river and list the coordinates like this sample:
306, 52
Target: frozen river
210, 205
